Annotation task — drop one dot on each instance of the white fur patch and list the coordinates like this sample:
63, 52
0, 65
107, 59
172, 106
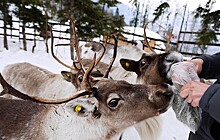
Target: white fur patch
171, 58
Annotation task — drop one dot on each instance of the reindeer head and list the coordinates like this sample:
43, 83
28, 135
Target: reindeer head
152, 68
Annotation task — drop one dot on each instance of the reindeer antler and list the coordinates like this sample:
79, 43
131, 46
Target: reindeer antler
146, 43
54, 56
85, 82
75, 44
101, 55
113, 58
8, 89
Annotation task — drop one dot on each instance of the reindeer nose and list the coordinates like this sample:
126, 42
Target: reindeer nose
168, 91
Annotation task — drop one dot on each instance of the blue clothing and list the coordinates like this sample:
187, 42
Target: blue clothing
210, 102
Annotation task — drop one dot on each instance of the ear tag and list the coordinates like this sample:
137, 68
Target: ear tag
78, 108
68, 75
127, 64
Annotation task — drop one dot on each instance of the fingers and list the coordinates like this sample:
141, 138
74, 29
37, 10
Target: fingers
195, 103
185, 90
189, 98
187, 93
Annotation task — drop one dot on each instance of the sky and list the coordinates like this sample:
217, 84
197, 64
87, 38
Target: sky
192, 4
175, 6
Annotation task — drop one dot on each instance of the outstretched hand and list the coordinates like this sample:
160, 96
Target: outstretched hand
193, 91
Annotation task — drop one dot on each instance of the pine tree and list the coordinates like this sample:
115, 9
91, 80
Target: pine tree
160, 10
90, 19
4, 5
26, 14
210, 24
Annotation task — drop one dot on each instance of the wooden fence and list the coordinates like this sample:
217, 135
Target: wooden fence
60, 32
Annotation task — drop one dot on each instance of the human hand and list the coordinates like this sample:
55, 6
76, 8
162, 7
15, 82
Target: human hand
193, 92
198, 64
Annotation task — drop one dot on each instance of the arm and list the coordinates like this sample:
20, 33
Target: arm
208, 66
210, 101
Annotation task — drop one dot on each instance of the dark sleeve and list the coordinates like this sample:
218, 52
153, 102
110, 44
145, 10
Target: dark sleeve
210, 101
211, 66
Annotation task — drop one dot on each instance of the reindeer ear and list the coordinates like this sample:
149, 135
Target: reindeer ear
83, 107
130, 65
67, 75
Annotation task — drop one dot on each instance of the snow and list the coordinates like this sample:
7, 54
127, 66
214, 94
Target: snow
140, 31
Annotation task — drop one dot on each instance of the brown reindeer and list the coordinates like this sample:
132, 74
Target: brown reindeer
157, 69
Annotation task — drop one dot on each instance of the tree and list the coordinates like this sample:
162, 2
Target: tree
109, 3
117, 23
4, 5
91, 20
145, 18
210, 24
43, 27
27, 14
160, 10
135, 20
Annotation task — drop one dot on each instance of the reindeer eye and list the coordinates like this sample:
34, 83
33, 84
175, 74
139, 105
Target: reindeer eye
170, 60
80, 78
143, 63
113, 102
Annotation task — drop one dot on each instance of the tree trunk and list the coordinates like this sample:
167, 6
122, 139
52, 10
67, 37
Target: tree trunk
46, 28
23, 32
71, 40
136, 18
24, 36
5, 13
34, 40
71, 31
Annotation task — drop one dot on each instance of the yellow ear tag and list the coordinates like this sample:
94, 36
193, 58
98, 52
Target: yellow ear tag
78, 108
68, 75
127, 64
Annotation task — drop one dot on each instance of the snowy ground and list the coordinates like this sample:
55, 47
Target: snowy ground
172, 128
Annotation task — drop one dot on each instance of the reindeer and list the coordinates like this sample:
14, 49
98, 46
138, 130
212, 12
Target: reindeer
37, 81
156, 69
101, 110
152, 68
